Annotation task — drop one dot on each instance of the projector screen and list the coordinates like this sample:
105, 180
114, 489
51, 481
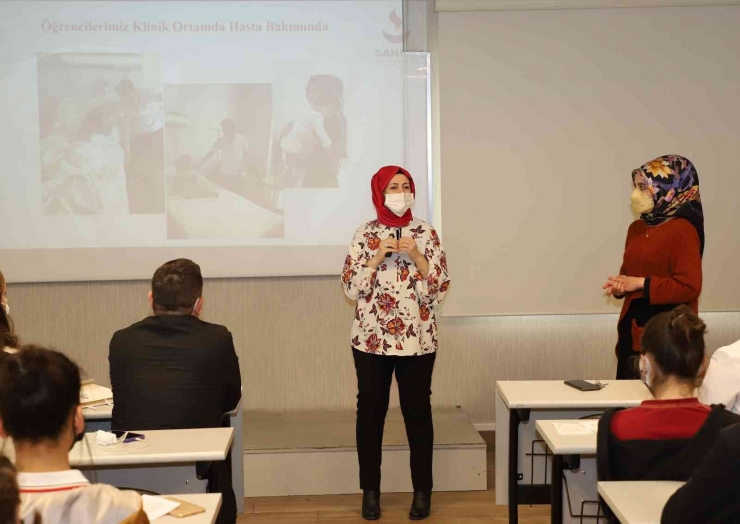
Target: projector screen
242, 135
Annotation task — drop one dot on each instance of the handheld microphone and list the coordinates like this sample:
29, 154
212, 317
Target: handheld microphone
397, 234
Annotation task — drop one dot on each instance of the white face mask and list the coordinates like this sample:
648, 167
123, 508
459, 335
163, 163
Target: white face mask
641, 203
399, 203
6, 307
646, 371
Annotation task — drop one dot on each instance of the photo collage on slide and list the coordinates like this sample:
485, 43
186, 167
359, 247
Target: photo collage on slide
115, 140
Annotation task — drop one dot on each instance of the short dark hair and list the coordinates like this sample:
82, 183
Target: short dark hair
675, 339
39, 389
176, 285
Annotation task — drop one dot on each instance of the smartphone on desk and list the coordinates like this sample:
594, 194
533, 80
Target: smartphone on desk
582, 385
131, 437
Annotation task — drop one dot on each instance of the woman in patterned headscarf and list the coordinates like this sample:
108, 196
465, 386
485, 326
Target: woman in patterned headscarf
662, 256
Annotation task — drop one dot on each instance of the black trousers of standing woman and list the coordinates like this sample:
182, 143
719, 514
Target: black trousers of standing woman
630, 326
414, 377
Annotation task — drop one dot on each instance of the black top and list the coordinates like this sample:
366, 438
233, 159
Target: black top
173, 372
643, 459
712, 494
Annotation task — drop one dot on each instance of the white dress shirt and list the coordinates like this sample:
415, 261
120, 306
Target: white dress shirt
68, 497
721, 384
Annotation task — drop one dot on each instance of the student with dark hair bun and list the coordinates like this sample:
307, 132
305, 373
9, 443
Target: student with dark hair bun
40, 410
665, 438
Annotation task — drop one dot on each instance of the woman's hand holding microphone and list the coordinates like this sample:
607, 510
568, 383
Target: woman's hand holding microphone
387, 245
404, 245
408, 245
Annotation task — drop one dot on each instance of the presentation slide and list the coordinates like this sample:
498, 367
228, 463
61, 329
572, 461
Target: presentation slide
137, 131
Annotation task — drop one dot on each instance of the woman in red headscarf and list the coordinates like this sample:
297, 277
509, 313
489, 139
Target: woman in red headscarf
396, 270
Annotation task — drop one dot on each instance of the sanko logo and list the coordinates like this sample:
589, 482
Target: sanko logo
396, 37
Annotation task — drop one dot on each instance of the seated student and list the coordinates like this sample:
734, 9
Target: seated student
712, 493
666, 438
175, 371
8, 340
40, 410
721, 384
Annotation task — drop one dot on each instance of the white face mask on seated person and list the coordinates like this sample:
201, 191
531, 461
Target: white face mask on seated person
641, 202
6, 307
399, 203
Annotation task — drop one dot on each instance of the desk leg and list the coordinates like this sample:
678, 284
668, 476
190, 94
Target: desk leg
521, 493
556, 483
501, 481
237, 459
514, 421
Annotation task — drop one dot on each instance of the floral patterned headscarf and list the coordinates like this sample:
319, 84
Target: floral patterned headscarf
674, 183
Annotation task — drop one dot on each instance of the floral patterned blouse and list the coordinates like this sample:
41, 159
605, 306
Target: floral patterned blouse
395, 313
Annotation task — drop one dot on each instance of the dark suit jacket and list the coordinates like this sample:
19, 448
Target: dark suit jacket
173, 372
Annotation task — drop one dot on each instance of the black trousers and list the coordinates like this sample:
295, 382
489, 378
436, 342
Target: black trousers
218, 475
414, 377
627, 358
219, 481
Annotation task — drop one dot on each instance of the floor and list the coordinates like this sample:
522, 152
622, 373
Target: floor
478, 507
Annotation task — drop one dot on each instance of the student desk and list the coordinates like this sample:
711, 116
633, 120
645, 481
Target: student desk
638, 502
518, 404
99, 418
164, 462
210, 501
568, 452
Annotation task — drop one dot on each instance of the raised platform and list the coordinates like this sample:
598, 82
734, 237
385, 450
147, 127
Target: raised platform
315, 454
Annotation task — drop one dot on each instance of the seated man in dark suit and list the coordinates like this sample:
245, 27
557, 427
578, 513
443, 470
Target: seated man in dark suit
175, 371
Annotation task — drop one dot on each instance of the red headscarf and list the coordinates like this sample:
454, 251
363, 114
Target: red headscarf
379, 182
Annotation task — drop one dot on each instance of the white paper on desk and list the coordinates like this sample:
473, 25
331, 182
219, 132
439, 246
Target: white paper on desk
586, 427
156, 507
592, 424
94, 393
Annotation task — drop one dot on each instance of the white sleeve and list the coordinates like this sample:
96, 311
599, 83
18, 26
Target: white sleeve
721, 384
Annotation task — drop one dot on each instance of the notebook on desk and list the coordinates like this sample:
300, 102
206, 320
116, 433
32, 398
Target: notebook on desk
91, 393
